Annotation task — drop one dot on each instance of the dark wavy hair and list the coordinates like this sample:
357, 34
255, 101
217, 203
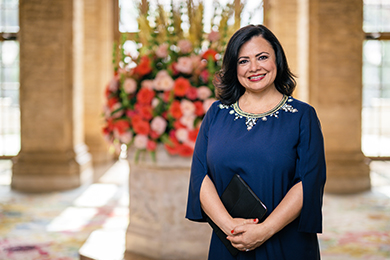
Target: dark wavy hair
228, 88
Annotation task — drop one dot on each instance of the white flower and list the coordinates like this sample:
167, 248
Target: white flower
187, 107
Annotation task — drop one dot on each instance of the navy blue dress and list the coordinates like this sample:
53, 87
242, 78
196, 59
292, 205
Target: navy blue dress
271, 152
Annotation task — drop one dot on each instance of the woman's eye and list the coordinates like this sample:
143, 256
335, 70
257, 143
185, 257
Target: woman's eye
263, 57
242, 61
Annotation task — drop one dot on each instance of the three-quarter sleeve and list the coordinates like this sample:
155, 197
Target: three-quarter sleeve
311, 170
199, 169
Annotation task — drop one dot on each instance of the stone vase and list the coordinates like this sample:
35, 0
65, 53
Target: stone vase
158, 196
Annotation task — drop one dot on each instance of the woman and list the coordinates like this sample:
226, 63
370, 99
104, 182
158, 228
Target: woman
273, 141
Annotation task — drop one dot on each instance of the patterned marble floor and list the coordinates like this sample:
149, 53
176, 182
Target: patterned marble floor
56, 225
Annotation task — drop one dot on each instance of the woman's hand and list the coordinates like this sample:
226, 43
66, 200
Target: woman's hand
249, 235
236, 222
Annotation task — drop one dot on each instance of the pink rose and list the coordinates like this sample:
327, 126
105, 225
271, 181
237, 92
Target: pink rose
185, 46
184, 65
140, 141
115, 107
114, 84
207, 103
213, 36
126, 137
204, 92
158, 125
162, 50
163, 81
130, 85
187, 107
182, 135
106, 111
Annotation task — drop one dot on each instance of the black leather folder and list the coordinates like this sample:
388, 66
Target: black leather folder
241, 202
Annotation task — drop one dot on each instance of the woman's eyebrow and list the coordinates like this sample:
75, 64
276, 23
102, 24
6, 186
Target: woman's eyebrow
257, 55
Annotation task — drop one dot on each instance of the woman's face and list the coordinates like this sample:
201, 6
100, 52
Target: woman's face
256, 65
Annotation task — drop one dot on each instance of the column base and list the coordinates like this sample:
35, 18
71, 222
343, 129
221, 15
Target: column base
347, 173
158, 196
44, 172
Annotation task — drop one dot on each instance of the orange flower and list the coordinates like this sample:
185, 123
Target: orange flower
181, 87
175, 110
210, 53
145, 96
199, 110
143, 67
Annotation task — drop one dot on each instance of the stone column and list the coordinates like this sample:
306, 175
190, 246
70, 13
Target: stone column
98, 42
336, 40
288, 21
328, 45
53, 155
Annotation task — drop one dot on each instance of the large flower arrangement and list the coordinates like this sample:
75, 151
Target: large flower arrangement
161, 94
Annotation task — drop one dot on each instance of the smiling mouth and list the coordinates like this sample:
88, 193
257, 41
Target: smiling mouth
257, 77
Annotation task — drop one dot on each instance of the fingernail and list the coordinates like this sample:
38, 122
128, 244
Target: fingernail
232, 231
255, 220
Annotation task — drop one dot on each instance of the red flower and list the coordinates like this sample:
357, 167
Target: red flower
192, 93
193, 134
153, 134
112, 101
171, 149
199, 110
173, 145
178, 125
204, 75
167, 96
175, 110
121, 125
185, 150
143, 67
151, 146
145, 96
181, 86
107, 92
135, 119
173, 68
106, 130
141, 127
131, 113
210, 53
145, 111
110, 124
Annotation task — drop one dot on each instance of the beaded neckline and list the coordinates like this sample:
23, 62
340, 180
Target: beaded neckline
251, 119
238, 110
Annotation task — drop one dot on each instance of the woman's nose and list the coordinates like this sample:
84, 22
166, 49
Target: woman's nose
255, 65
